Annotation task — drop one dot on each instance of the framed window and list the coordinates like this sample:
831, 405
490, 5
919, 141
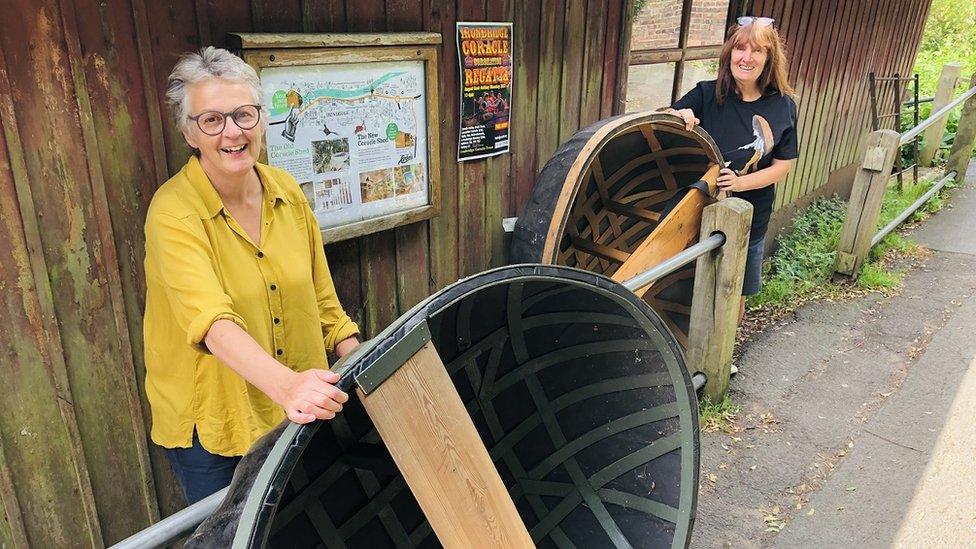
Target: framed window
674, 45
354, 118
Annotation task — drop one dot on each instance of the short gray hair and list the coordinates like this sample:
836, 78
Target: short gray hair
209, 63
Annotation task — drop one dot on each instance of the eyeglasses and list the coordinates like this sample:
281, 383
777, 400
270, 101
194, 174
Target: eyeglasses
747, 20
213, 122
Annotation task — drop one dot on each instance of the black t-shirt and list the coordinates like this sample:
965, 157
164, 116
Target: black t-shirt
750, 134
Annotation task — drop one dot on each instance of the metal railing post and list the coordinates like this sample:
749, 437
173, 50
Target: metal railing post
943, 94
718, 289
865, 204
962, 146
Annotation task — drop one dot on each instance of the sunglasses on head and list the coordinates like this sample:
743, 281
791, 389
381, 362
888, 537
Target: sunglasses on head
747, 20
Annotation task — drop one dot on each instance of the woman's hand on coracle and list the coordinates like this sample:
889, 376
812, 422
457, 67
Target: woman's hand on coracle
310, 395
729, 181
688, 116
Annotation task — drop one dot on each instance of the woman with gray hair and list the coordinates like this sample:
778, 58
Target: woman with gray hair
240, 306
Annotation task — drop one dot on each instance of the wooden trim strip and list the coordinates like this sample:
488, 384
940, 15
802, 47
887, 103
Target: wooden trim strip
261, 40
673, 55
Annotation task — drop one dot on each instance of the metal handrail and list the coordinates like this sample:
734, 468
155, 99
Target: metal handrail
911, 209
934, 117
675, 262
174, 526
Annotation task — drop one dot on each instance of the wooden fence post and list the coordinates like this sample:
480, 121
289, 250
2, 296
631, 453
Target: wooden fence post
962, 146
943, 95
718, 288
864, 207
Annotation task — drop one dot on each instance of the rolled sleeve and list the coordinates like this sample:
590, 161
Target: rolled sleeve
179, 255
336, 324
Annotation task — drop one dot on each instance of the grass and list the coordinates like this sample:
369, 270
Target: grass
803, 263
719, 416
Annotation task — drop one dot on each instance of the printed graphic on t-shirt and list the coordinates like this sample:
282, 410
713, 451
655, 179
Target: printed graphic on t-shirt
762, 143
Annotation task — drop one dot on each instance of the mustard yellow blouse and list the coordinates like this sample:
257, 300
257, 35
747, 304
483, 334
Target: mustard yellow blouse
200, 267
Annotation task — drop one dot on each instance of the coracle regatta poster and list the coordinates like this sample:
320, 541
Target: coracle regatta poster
485, 61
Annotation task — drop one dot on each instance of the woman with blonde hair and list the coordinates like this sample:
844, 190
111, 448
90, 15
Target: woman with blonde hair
750, 113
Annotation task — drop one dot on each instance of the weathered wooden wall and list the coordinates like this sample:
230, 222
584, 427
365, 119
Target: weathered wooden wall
833, 45
85, 141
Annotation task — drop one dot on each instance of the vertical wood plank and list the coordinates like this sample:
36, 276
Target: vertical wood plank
377, 251
323, 16
365, 15
441, 16
12, 531
574, 40
499, 186
623, 57
826, 73
225, 16
276, 15
442, 457
611, 56
38, 428
122, 477
527, 33
473, 253
169, 496
166, 48
412, 241
550, 80
593, 58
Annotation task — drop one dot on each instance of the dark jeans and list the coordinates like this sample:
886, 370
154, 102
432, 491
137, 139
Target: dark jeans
752, 282
200, 473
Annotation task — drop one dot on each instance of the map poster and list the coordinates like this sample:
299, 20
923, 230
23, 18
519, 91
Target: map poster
485, 60
353, 135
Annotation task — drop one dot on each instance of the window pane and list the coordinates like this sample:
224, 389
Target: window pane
696, 71
657, 25
707, 26
649, 86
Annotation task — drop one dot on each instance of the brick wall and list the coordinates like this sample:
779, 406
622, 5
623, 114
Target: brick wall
658, 24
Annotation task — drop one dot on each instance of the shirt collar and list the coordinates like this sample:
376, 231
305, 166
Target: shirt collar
211, 199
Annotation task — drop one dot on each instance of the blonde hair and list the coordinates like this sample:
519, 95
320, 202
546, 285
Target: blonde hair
773, 74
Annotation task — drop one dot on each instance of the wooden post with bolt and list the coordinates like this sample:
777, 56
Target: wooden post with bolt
718, 289
864, 207
962, 145
948, 81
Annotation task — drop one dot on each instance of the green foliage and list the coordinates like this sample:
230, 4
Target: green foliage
805, 258
802, 267
948, 37
717, 416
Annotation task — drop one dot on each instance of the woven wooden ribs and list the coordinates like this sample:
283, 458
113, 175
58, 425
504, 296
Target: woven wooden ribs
620, 197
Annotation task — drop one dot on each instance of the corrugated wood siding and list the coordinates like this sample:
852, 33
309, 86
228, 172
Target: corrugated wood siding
833, 45
86, 140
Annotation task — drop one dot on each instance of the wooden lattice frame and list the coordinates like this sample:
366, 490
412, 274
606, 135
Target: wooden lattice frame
603, 215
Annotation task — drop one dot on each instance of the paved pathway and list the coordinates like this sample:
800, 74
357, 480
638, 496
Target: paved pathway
858, 422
